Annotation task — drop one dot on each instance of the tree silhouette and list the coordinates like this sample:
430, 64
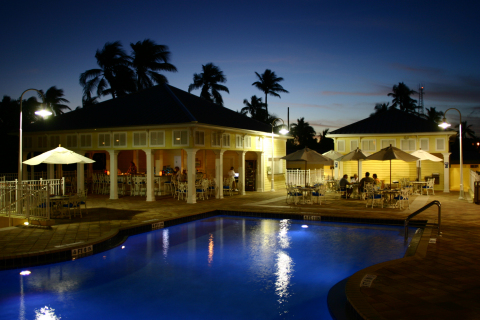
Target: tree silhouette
303, 133
401, 98
433, 115
54, 98
268, 83
380, 108
209, 81
256, 108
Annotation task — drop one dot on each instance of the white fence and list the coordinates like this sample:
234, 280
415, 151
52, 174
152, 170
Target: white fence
38, 175
303, 177
56, 186
473, 177
34, 203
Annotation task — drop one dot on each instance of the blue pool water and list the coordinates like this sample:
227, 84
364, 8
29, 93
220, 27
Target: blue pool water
215, 268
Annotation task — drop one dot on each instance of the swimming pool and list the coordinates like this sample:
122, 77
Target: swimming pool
216, 268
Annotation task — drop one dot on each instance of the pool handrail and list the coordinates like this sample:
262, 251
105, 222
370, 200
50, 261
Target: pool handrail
425, 207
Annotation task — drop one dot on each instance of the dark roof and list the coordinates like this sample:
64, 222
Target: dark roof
158, 105
391, 121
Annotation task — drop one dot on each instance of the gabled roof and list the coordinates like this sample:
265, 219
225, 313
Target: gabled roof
158, 105
391, 121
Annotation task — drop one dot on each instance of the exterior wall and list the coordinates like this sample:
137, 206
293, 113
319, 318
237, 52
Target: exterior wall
455, 177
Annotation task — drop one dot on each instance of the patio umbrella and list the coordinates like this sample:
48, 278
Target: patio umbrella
356, 154
308, 155
58, 156
423, 155
391, 153
334, 155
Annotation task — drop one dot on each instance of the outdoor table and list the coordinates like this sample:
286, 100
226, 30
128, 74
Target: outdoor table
391, 193
56, 203
306, 191
417, 186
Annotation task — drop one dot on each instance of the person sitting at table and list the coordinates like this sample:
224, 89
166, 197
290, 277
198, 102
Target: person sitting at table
366, 179
132, 169
183, 176
377, 181
343, 186
354, 179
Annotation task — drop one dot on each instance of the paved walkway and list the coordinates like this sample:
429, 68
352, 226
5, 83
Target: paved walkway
441, 280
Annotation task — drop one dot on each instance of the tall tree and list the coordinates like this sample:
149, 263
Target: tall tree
380, 108
54, 98
433, 115
256, 108
148, 58
467, 130
114, 77
268, 83
209, 81
88, 100
401, 98
303, 133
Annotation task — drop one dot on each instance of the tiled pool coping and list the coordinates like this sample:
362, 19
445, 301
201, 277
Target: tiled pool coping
115, 238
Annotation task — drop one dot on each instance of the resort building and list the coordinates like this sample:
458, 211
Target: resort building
407, 132
164, 127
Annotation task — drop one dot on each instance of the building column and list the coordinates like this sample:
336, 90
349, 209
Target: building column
149, 155
113, 174
336, 168
360, 171
191, 175
260, 172
219, 172
80, 176
241, 171
446, 171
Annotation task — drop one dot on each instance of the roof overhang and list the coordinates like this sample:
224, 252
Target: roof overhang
351, 135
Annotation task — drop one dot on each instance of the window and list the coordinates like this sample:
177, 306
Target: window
119, 139
85, 141
226, 140
440, 143
341, 145
238, 141
216, 139
424, 144
71, 141
180, 137
28, 142
387, 143
353, 145
407, 144
277, 165
157, 138
258, 143
140, 139
54, 141
199, 138
42, 142
104, 140
247, 140
368, 145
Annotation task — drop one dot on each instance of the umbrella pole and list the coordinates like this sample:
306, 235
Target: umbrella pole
390, 174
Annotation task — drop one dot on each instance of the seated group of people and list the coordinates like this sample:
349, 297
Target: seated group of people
344, 183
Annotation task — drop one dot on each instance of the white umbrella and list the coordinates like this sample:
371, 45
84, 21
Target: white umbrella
58, 156
423, 155
334, 155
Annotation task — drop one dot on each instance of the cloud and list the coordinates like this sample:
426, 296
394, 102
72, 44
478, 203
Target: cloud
422, 70
346, 93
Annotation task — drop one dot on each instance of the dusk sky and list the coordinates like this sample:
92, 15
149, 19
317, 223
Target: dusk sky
338, 58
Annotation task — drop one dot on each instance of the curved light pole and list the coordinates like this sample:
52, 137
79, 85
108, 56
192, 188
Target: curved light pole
445, 125
43, 113
282, 131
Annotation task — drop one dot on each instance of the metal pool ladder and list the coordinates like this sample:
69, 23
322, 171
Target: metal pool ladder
425, 207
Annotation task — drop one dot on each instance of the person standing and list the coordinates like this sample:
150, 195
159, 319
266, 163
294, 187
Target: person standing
231, 178
132, 169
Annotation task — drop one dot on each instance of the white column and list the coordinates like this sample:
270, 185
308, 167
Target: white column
113, 174
50, 171
360, 171
150, 187
80, 176
260, 172
446, 172
219, 172
191, 172
241, 171
336, 165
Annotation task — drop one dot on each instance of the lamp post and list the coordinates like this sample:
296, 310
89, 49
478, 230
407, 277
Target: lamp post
445, 125
282, 131
42, 113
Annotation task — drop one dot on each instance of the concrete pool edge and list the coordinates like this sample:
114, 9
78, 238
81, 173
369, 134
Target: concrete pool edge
357, 300
118, 236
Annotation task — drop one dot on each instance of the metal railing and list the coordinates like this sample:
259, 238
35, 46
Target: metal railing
425, 207
34, 203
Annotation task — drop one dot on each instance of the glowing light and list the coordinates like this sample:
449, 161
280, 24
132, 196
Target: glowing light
444, 125
43, 113
123, 247
304, 226
46, 313
25, 273
26, 223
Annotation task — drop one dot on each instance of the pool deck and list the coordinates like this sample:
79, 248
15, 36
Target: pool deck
441, 280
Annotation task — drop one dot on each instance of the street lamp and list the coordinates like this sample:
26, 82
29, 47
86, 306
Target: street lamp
282, 131
42, 113
445, 125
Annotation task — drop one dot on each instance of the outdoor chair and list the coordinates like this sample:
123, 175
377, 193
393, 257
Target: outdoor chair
182, 190
82, 194
429, 186
202, 189
402, 198
212, 187
319, 192
228, 186
371, 195
292, 192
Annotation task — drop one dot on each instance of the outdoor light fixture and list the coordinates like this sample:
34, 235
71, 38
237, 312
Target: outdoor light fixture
43, 113
445, 125
25, 273
282, 131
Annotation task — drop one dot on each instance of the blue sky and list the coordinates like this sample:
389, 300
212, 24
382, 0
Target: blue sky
338, 58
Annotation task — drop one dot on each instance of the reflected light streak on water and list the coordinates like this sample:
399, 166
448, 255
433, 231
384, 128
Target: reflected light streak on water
165, 242
46, 313
283, 237
210, 250
21, 315
284, 263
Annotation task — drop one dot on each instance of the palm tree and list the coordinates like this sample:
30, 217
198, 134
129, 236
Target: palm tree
401, 98
380, 108
147, 59
269, 84
114, 75
302, 132
54, 98
255, 107
467, 130
209, 81
433, 115
88, 100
